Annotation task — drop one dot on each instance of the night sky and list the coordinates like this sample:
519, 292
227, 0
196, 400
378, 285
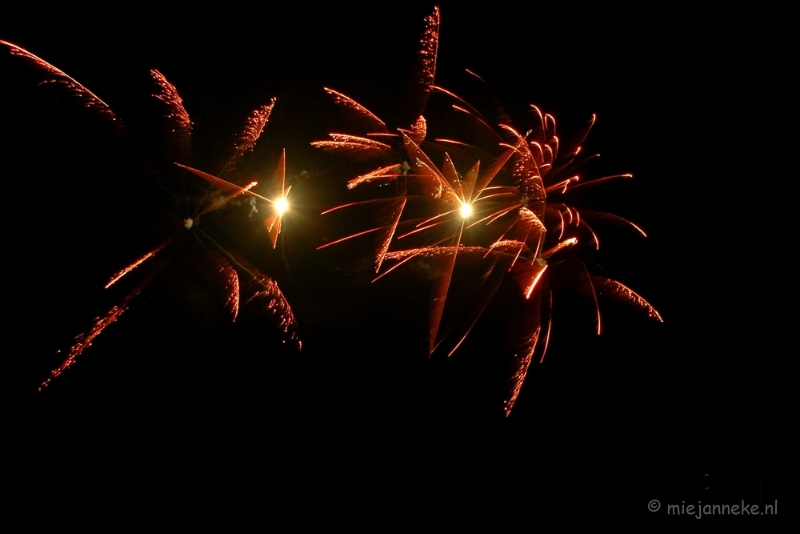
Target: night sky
691, 409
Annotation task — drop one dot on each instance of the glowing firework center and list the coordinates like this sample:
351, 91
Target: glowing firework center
281, 205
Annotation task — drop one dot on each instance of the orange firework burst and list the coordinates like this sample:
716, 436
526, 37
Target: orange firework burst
231, 278
455, 206
508, 215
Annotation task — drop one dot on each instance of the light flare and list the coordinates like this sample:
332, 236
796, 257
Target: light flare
274, 222
281, 205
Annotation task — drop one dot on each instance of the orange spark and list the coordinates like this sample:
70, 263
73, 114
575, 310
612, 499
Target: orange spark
131, 267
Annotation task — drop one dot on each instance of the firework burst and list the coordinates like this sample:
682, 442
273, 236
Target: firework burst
187, 247
475, 211
514, 208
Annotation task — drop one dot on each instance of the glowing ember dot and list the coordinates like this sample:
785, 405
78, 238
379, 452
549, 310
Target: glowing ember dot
281, 206
466, 210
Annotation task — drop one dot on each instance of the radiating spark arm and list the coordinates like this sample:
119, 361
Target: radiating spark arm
469, 110
389, 172
450, 174
600, 180
168, 94
526, 170
574, 149
85, 340
561, 246
489, 282
274, 221
481, 182
134, 265
250, 134
358, 203
454, 142
433, 181
562, 225
475, 75
611, 217
528, 338
520, 365
594, 234
231, 188
562, 185
616, 291
427, 223
365, 232
360, 113
259, 297
350, 142
74, 87
539, 118
177, 144
429, 46
475, 117
232, 302
594, 296
502, 192
440, 294
495, 215
397, 212
418, 130
403, 257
